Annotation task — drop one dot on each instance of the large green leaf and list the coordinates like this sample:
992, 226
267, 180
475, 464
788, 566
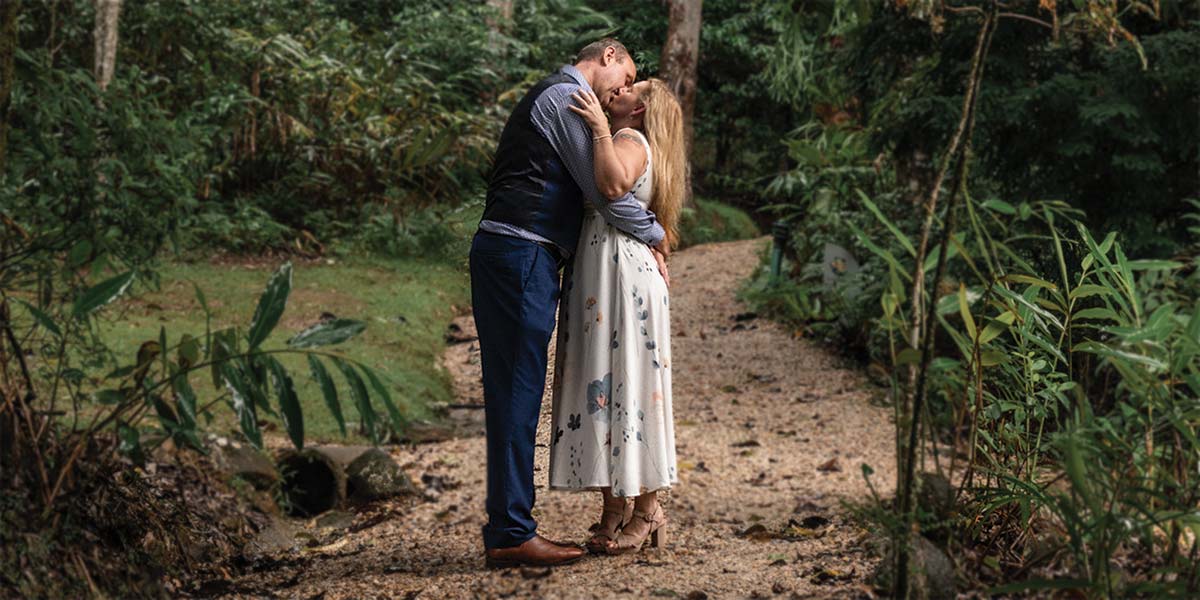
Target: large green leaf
224, 345
188, 352
899, 235
207, 315
397, 418
185, 400
130, 443
289, 403
42, 318
243, 404
270, 306
999, 325
255, 368
327, 333
102, 293
328, 391
1096, 313
358, 391
964, 309
883, 253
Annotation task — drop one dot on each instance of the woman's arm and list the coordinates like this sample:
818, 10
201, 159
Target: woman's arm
618, 160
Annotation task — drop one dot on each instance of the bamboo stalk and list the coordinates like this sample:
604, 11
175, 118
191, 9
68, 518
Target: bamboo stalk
961, 151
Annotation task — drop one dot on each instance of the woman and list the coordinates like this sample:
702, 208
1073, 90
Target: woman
612, 423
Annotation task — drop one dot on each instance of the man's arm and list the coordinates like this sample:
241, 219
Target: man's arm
572, 140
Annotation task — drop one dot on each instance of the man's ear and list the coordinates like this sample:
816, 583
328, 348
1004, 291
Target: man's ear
609, 56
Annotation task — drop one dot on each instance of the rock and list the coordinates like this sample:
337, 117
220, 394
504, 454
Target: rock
375, 476
246, 462
931, 572
935, 495
457, 334
278, 535
336, 520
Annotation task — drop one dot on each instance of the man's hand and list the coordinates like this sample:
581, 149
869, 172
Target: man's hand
661, 259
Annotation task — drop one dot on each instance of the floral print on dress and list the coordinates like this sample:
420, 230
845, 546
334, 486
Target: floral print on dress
612, 363
598, 393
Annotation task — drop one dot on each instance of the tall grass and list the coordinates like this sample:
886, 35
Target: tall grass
1069, 374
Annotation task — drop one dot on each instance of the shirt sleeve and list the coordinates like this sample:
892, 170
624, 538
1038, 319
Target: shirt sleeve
571, 138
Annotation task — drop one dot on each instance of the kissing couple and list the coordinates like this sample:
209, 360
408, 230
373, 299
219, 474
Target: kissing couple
598, 197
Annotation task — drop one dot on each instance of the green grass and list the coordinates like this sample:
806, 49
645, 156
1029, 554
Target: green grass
406, 304
710, 221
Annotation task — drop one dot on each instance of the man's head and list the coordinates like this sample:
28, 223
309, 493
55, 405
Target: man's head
607, 66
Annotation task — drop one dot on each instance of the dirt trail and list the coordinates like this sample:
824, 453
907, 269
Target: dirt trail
759, 414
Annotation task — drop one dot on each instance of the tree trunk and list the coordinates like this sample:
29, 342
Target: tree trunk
500, 24
680, 54
8, 48
105, 36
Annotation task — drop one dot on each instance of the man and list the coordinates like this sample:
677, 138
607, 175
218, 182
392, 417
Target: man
530, 226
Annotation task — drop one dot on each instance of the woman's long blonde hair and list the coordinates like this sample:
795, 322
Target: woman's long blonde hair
663, 125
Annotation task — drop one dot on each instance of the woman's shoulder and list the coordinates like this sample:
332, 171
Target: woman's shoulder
634, 136
629, 131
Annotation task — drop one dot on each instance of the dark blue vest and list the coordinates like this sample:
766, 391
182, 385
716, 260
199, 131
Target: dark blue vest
529, 186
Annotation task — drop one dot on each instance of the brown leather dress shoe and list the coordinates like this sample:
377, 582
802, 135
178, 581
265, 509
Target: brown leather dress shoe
536, 551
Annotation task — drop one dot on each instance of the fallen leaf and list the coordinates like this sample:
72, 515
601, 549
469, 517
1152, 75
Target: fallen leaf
825, 575
814, 521
830, 465
757, 532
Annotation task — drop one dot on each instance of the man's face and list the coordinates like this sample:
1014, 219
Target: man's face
612, 76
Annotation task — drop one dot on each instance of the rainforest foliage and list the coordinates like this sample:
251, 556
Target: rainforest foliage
993, 207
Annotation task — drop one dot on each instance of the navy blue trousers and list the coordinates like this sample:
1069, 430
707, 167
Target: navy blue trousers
514, 296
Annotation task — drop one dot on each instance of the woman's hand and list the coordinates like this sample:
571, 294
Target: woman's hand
661, 259
589, 109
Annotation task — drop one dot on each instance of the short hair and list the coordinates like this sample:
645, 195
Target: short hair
595, 50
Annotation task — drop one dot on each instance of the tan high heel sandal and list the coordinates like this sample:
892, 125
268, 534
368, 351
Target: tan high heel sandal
657, 533
600, 536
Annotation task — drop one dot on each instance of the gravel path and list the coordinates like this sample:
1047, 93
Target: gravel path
770, 431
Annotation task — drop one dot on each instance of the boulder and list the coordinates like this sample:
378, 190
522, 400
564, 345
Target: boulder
373, 475
931, 576
935, 495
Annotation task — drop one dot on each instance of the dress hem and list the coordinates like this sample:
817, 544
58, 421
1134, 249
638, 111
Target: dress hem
596, 488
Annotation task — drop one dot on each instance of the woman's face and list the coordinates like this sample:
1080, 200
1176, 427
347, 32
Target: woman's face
627, 101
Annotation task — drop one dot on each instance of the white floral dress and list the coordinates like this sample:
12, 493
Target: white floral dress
611, 413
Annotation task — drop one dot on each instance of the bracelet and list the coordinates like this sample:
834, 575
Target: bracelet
600, 137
